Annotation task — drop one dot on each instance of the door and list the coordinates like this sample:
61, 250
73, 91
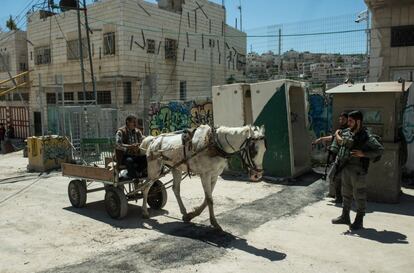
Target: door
37, 123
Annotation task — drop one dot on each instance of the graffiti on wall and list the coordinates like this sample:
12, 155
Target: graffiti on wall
176, 116
408, 124
56, 149
320, 115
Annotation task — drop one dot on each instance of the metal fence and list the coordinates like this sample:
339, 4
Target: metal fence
322, 52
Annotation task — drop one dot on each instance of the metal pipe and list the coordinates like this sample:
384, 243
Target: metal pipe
81, 50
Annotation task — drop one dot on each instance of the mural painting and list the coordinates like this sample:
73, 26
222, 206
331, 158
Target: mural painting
320, 115
176, 116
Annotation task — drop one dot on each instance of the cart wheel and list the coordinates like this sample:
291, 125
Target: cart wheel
77, 193
116, 203
157, 195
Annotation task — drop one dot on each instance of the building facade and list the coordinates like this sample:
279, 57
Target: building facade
14, 91
141, 53
392, 43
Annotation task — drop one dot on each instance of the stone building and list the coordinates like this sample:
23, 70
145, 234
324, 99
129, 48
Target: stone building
141, 53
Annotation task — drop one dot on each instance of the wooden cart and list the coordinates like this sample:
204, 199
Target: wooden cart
117, 191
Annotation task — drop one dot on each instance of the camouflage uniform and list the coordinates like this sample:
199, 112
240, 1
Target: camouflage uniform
353, 170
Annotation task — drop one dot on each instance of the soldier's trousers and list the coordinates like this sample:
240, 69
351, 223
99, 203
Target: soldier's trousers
354, 186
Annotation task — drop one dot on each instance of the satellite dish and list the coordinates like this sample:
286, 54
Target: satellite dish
66, 5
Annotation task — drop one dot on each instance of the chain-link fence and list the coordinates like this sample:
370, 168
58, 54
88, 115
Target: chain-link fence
323, 52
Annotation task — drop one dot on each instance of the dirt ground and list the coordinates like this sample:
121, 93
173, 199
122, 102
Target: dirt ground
268, 227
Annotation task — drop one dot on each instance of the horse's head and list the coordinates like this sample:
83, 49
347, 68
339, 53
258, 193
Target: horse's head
253, 152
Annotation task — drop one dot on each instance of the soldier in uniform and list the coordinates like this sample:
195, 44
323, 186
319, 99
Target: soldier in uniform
355, 147
128, 138
335, 184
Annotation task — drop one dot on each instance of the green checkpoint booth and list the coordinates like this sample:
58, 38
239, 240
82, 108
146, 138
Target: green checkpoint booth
281, 106
382, 105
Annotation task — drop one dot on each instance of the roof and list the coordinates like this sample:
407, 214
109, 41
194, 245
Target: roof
372, 87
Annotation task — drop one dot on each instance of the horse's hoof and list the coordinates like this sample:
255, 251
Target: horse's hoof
145, 216
217, 227
187, 218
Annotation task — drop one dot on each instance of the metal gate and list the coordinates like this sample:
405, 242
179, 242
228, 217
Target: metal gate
18, 117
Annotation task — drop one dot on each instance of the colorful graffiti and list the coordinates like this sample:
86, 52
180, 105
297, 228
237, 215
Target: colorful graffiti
176, 116
408, 124
320, 115
56, 149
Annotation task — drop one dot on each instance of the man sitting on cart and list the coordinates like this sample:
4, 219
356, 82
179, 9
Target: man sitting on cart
128, 138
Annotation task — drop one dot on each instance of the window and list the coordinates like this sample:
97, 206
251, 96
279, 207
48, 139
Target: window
402, 36
50, 98
104, 97
23, 66
42, 55
89, 96
24, 96
69, 97
109, 43
183, 90
170, 49
127, 93
73, 51
150, 46
4, 62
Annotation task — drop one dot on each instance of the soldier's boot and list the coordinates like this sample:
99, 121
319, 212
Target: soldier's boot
358, 222
344, 219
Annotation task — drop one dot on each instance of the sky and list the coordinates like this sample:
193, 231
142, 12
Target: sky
262, 13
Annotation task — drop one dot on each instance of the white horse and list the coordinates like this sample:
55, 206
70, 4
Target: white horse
206, 155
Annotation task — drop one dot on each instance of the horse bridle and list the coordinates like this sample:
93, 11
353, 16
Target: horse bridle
247, 153
245, 150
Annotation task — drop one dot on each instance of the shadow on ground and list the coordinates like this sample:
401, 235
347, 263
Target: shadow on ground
201, 233
384, 237
212, 237
405, 207
303, 180
96, 210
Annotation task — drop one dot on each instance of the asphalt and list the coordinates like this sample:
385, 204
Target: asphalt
183, 244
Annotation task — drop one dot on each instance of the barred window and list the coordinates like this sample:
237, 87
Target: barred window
89, 96
150, 46
127, 93
104, 97
109, 43
73, 51
170, 49
69, 97
51, 98
24, 96
42, 55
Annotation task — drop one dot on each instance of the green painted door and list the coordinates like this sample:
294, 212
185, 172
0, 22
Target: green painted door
276, 161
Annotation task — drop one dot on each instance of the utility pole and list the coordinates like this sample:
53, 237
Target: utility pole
90, 51
81, 51
241, 16
280, 41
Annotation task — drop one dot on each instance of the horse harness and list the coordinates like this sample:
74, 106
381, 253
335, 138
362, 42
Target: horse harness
246, 150
215, 148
